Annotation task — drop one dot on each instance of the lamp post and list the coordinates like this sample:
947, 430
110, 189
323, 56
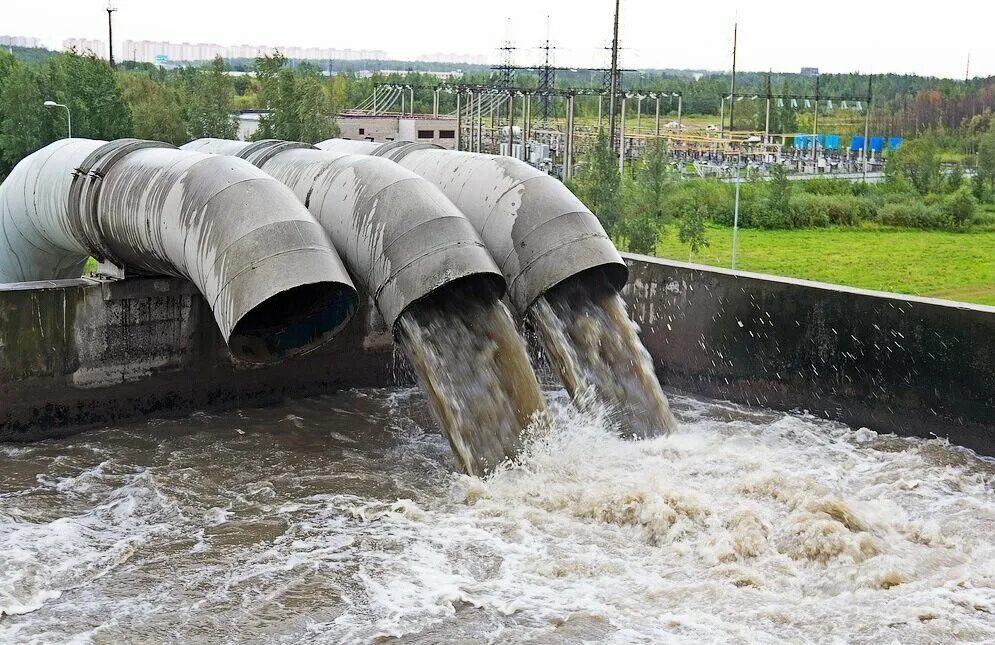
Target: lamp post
69, 115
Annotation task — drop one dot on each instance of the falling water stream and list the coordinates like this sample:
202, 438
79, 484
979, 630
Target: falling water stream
474, 368
596, 349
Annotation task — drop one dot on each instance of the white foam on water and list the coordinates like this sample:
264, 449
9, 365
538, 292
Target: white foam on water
781, 531
743, 525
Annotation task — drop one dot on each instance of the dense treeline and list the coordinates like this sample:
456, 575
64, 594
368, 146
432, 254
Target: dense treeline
176, 105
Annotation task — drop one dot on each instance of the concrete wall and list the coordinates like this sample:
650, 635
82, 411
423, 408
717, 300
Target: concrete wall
913, 366
81, 353
359, 127
411, 129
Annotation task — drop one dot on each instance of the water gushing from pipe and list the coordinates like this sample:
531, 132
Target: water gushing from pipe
595, 347
475, 371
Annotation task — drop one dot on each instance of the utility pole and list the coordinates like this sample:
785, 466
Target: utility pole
110, 31
732, 92
613, 82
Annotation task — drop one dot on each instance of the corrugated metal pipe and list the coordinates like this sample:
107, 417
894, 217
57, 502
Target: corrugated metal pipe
538, 232
398, 234
266, 268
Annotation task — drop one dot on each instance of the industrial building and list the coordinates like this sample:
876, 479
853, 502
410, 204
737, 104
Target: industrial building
440, 130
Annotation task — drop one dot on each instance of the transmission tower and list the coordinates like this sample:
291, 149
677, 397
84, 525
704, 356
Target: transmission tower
506, 70
547, 79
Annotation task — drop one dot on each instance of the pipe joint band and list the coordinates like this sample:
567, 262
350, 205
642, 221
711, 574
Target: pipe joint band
84, 191
397, 150
260, 152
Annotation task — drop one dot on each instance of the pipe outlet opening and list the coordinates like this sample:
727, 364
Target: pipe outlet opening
292, 322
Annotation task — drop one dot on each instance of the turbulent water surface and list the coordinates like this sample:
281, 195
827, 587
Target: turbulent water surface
342, 519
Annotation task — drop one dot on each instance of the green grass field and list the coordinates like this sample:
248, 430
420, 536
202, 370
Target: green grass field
955, 266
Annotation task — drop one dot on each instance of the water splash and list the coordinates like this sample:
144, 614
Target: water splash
344, 522
475, 371
595, 347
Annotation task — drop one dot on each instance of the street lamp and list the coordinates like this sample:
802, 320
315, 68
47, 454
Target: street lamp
69, 115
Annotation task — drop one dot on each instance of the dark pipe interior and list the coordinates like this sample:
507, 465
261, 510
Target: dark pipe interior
292, 322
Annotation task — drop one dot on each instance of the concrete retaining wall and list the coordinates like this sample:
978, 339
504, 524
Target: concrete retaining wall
82, 353
913, 366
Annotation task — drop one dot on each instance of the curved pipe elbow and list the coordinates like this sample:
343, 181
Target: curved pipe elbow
538, 232
273, 281
400, 237
275, 284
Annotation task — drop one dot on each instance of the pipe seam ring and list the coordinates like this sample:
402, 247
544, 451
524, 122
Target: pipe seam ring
262, 151
397, 150
84, 191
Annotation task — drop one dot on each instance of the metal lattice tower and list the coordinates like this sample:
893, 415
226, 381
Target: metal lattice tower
506, 70
547, 82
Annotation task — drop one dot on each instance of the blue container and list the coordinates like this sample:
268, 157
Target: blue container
894, 143
832, 142
877, 144
857, 144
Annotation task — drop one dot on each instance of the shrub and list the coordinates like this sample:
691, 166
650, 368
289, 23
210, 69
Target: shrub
914, 214
829, 186
959, 206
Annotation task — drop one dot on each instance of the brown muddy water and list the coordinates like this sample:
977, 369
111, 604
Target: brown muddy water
472, 363
595, 348
343, 519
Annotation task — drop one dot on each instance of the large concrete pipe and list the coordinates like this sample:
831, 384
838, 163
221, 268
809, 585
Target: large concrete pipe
398, 234
538, 232
265, 266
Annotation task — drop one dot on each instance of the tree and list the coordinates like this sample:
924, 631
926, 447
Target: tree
955, 178
598, 185
644, 215
918, 162
313, 111
209, 104
156, 110
22, 128
778, 189
90, 88
276, 94
691, 229
986, 162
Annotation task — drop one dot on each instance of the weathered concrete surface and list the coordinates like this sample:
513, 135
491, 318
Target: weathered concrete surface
913, 366
82, 353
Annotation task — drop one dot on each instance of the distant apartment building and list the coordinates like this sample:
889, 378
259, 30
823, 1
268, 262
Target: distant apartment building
20, 41
85, 46
148, 51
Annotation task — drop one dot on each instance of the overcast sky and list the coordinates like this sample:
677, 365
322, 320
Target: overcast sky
836, 36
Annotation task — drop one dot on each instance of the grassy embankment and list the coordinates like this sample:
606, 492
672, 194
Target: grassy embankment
941, 264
